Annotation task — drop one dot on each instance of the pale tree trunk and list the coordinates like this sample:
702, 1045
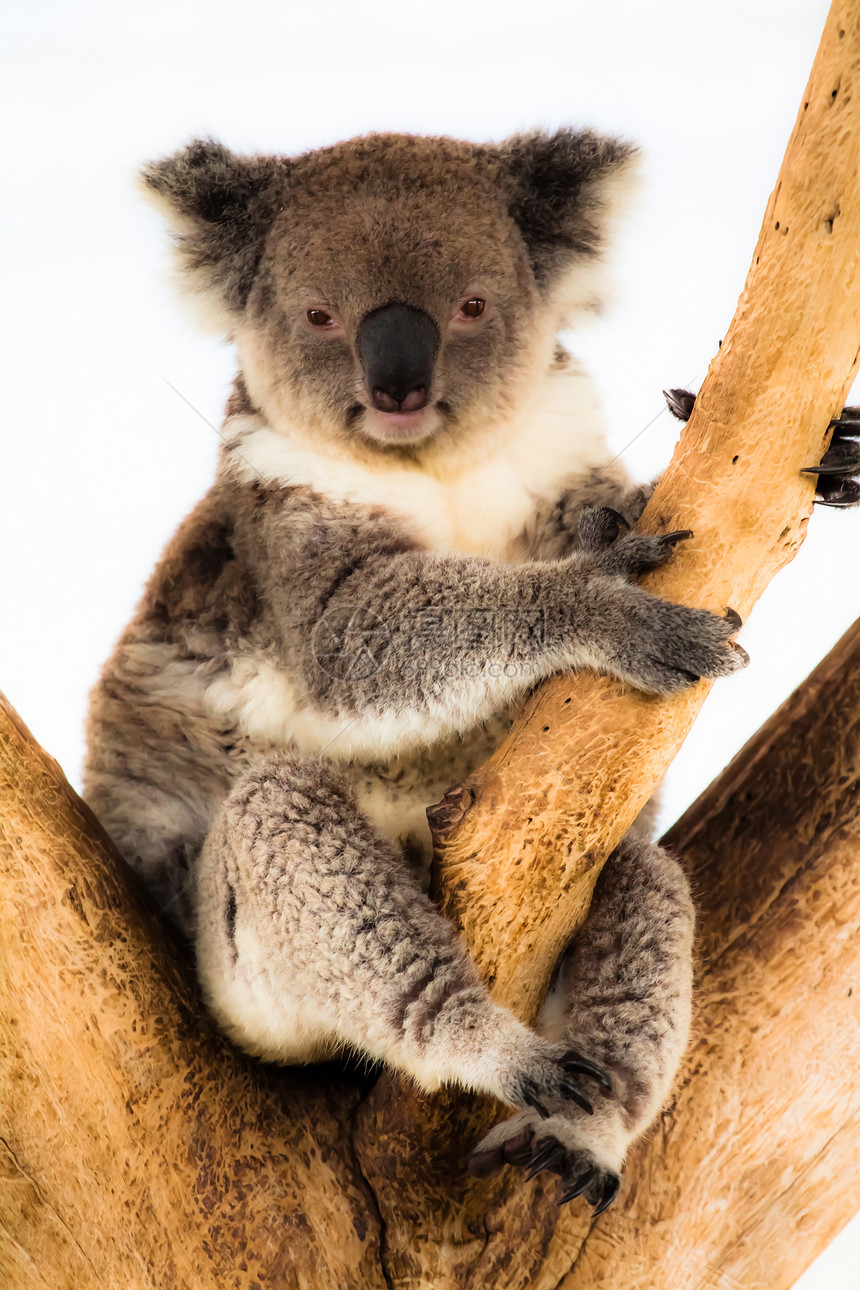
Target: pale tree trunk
139, 1150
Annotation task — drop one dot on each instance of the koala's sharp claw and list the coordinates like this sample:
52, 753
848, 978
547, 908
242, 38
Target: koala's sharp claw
570, 1090
617, 549
530, 1097
610, 1190
733, 618
848, 417
841, 458
548, 1154
835, 485
579, 1185
741, 654
618, 517
680, 403
577, 1065
841, 464
837, 492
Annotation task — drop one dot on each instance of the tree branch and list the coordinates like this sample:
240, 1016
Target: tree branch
137, 1148
755, 1168
517, 866
140, 1150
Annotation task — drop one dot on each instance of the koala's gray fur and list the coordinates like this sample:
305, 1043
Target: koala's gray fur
339, 630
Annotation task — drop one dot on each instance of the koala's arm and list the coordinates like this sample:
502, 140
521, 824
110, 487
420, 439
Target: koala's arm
408, 645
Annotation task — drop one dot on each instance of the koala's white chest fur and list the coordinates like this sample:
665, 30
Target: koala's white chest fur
477, 510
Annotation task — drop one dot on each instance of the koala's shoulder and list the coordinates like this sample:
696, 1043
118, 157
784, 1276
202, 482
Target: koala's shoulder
246, 541
201, 575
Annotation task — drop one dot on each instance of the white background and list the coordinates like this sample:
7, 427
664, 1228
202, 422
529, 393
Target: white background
101, 458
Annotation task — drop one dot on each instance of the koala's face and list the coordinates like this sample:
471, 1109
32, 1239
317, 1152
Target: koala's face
395, 292
394, 298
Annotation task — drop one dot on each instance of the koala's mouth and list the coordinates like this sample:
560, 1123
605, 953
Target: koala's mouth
399, 427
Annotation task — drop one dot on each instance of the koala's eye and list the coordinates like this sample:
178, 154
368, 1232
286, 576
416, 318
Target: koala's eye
319, 318
473, 308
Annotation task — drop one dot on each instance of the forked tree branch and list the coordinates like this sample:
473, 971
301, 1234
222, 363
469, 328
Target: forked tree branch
139, 1150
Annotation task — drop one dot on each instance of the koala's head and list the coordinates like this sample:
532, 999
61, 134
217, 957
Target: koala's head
395, 293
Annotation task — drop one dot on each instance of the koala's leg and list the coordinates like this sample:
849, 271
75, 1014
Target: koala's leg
313, 936
622, 997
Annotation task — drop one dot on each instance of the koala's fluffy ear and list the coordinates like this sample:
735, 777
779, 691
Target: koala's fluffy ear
565, 190
220, 207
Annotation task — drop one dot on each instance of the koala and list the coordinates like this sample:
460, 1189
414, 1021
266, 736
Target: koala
415, 520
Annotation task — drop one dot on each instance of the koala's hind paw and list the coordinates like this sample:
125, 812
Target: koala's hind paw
552, 1082
606, 537
584, 1177
837, 485
532, 1147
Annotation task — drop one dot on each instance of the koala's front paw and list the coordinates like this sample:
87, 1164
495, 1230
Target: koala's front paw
660, 646
837, 485
680, 403
558, 1145
607, 537
838, 469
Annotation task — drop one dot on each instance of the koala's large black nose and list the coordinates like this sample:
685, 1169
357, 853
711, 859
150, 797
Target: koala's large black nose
397, 345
